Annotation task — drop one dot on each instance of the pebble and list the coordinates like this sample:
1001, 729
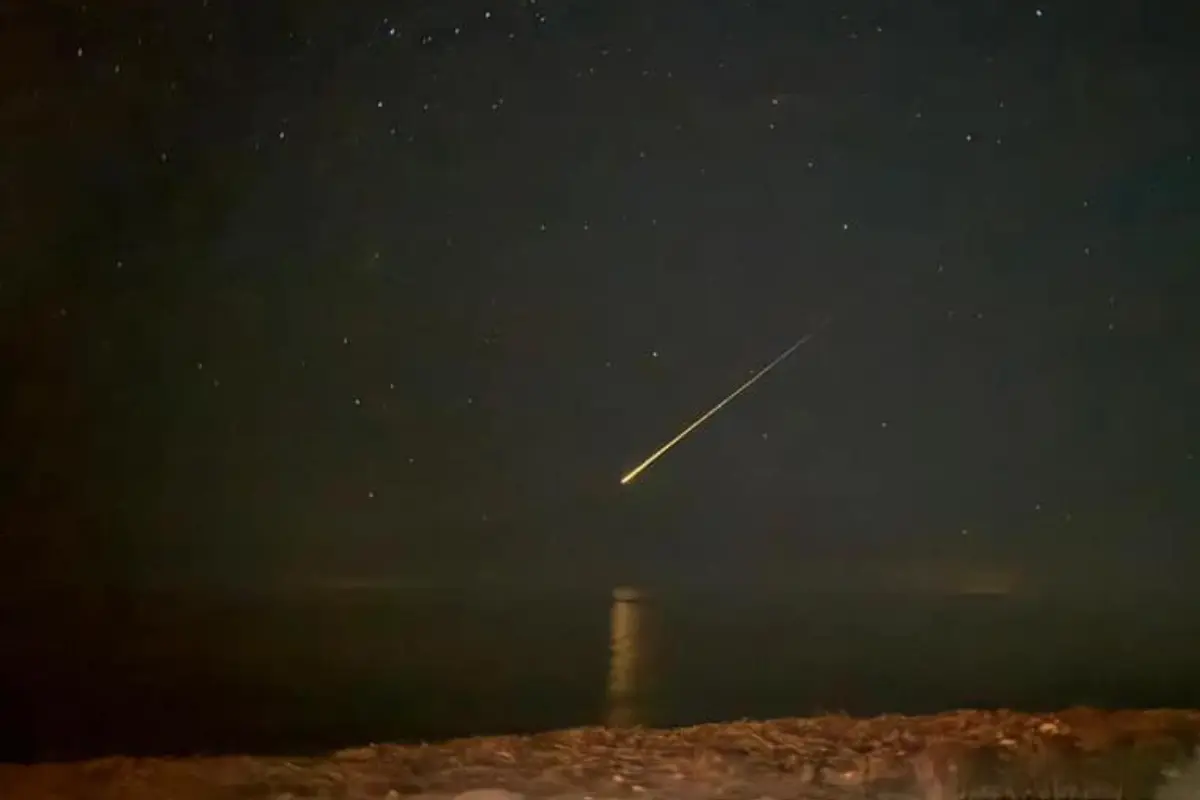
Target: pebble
489, 794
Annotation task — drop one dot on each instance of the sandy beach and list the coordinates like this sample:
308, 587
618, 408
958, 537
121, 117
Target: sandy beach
985, 754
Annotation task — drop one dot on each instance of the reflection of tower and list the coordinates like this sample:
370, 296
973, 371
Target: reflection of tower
624, 672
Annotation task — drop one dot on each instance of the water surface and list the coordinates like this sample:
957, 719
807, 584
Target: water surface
311, 669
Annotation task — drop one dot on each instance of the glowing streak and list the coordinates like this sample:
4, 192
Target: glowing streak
704, 417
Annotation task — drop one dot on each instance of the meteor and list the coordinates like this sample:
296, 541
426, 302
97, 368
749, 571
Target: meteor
704, 417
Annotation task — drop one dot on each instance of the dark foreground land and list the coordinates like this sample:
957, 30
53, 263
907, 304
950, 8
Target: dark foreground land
1076, 753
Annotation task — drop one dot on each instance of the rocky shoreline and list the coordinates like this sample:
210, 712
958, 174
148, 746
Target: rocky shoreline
1076, 753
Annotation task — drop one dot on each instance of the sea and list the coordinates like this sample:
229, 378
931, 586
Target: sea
310, 669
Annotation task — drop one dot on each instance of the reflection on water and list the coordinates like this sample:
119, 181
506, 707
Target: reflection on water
626, 667
308, 670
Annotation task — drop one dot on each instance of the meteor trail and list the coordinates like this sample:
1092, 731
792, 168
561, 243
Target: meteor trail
703, 417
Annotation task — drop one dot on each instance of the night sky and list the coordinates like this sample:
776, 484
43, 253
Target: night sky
361, 290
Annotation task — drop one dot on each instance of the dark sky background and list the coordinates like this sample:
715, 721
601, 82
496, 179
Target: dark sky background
322, 291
